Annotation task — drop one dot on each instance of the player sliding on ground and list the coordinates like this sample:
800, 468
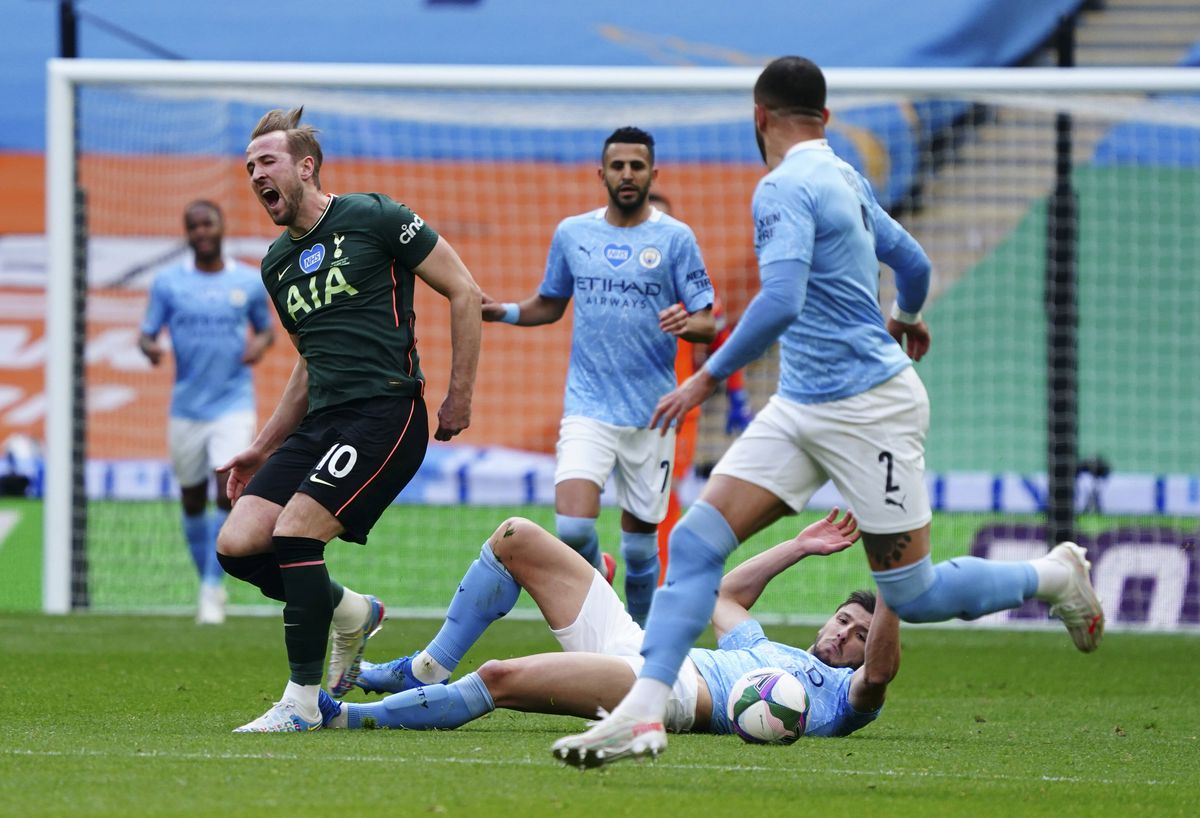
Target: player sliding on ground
845, 672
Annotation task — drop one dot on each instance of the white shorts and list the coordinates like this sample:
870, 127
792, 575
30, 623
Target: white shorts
604, 626
199, 446
639, 460
872, 445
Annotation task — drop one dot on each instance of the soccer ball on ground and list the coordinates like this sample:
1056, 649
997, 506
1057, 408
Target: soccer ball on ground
768, 706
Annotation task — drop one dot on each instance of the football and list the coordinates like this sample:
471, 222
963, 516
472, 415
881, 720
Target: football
768, 706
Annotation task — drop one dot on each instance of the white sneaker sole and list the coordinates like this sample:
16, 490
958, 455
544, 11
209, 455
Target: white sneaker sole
1088, 631
575, 751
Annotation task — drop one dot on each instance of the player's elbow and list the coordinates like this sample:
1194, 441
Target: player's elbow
881, 673
468, 293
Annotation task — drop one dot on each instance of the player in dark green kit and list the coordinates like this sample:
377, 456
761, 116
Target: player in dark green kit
350, 429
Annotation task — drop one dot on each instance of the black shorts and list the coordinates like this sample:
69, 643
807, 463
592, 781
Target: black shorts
353, 459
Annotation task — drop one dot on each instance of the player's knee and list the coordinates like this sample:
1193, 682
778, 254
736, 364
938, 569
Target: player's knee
499, 677
702, 536
575, 531
234, 541
511, 536
227, 542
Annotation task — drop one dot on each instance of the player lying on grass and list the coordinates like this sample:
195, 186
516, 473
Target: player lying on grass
845, 672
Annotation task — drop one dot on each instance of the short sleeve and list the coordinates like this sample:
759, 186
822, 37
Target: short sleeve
784, 226
691, 277
558, 282
410, 238
156, 308
746, 634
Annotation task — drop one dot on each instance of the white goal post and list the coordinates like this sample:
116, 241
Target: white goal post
940, 180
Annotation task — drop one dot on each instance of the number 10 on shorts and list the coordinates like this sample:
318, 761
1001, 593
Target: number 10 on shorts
340, 458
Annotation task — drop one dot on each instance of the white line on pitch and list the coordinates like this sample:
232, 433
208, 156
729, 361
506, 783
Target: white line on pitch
528, 762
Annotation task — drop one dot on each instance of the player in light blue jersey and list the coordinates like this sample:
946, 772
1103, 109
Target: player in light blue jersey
639, 284
215, 310
849, 408
845, 672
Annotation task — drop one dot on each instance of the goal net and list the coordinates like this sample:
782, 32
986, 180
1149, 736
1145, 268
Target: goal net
494, 157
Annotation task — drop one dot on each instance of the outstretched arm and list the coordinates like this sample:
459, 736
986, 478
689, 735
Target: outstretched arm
532, 312
869, 684
742, 586
445, 272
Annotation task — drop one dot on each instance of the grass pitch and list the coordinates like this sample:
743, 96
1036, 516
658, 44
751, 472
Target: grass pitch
130, 716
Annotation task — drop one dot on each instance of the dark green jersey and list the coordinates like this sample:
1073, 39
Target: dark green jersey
345, 289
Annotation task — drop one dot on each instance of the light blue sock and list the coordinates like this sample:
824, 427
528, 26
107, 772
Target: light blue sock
213, 573
640, 552
195, 531
486, 592
435, 707
963, 588
698, 546
580, 534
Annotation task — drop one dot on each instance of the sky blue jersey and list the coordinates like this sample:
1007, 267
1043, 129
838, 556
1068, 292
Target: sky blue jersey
621, 278
817, 210
747, 648
207, 315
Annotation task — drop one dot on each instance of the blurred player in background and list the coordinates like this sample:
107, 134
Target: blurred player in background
207, 304
639, 285
845, 672
350, 429
849, 407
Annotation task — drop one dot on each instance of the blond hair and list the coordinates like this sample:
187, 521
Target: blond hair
301, 139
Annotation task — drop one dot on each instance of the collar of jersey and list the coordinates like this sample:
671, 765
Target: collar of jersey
654, 217
317, 223
809, 145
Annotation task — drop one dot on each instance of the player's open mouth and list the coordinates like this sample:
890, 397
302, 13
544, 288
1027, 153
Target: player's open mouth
270, 196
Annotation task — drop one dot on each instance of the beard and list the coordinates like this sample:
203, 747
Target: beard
762, 145
290, 193
631, 207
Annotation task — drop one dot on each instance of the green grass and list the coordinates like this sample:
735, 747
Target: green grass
130, 716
